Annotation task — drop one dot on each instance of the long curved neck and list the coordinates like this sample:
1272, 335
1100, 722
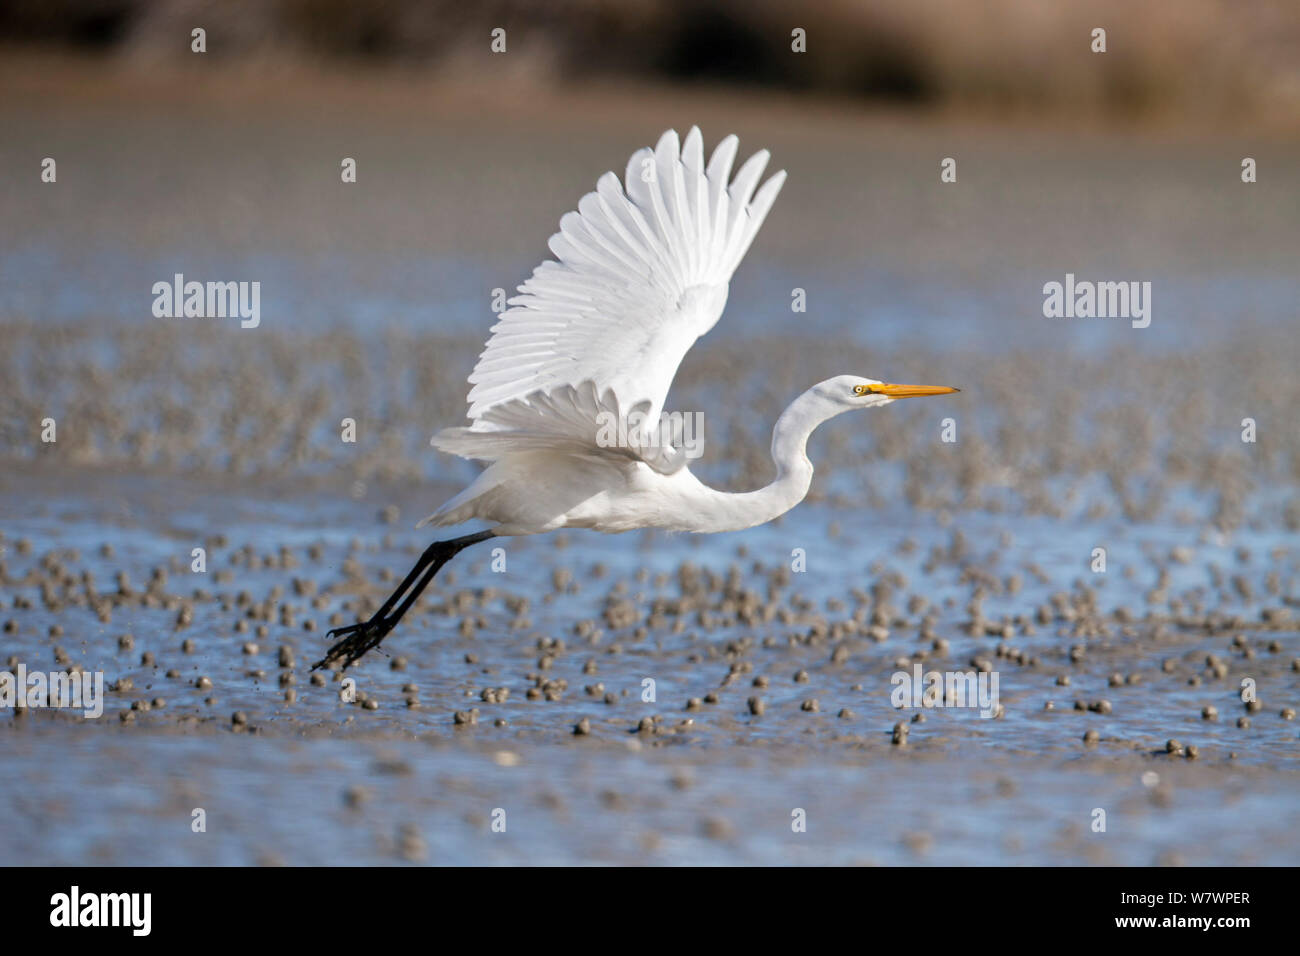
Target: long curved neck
733, 512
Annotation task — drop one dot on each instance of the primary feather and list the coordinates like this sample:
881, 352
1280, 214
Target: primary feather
641, 271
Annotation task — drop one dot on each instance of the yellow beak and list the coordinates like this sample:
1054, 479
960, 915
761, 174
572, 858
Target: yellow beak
911, 391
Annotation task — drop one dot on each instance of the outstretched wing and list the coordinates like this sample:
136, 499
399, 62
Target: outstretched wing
574, 420
641, 272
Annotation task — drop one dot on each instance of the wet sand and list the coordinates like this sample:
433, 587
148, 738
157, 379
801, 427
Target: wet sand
522, 690
1121, 690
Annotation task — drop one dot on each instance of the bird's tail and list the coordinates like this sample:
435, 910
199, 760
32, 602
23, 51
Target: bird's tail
468, 504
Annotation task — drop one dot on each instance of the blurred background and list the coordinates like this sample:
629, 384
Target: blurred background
1211, 59
376, 297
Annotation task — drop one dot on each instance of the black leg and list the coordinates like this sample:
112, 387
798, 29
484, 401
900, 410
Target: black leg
357, 639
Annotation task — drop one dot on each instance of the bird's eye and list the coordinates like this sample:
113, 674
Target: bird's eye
859, 389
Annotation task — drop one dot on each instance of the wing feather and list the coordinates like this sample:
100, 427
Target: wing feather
641, 271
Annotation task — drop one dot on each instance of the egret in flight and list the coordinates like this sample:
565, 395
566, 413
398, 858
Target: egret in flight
568, 397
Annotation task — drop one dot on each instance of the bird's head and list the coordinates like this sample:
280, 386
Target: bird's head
835, 396
852, 391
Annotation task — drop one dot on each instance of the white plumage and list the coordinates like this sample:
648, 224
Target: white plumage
588, 350
641, 271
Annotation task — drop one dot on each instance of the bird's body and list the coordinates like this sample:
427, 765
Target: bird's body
568, 397
531, 492
603, 489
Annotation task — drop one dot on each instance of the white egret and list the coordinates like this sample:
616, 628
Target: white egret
567, 397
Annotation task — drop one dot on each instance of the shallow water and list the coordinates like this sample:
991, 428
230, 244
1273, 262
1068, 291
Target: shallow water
1073, 435
355, 801
1020, 788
